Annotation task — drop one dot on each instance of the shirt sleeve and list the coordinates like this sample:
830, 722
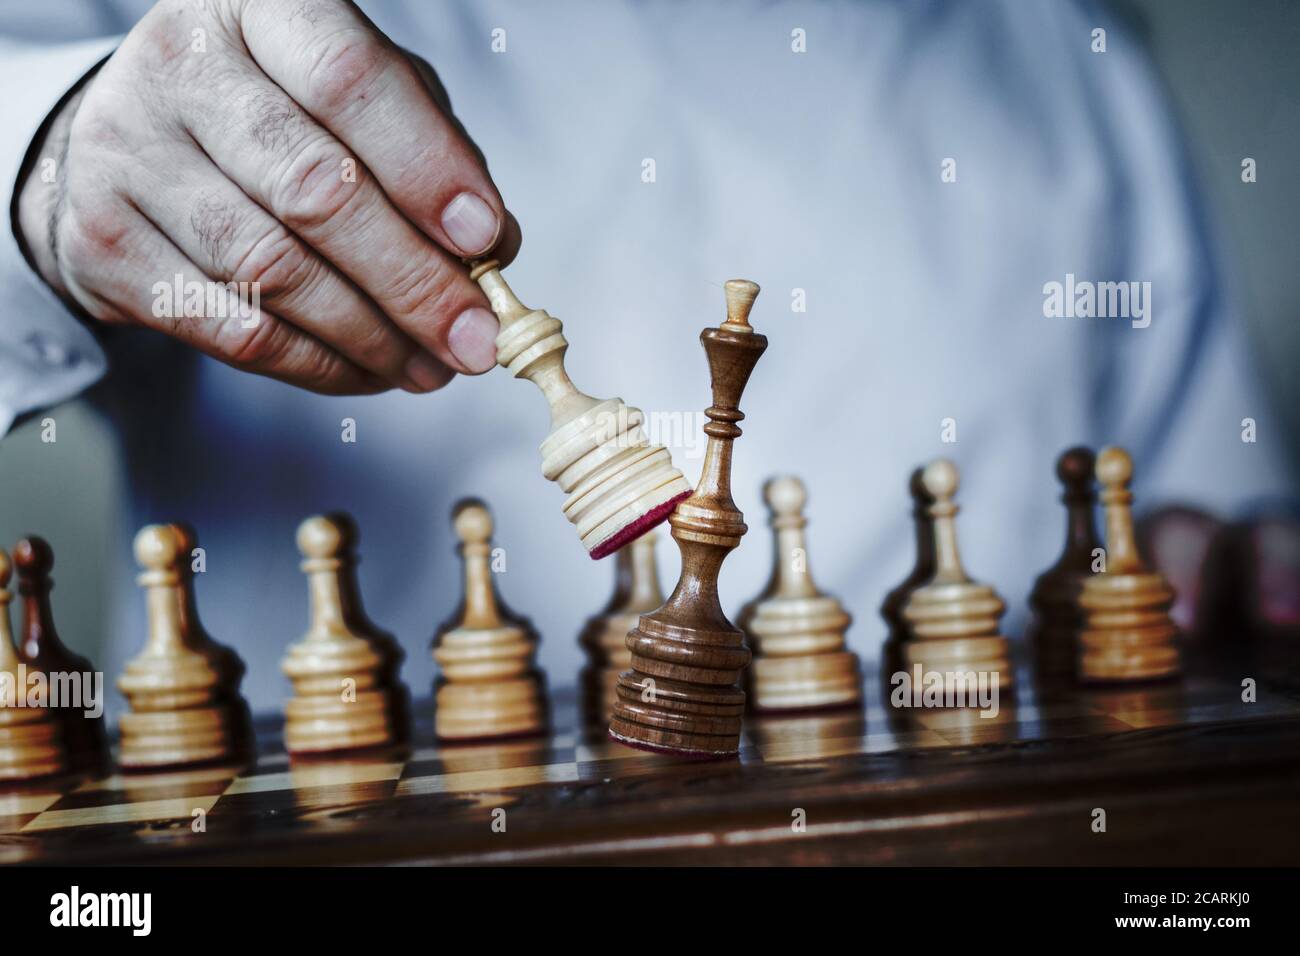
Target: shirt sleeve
46, 354
1177, 387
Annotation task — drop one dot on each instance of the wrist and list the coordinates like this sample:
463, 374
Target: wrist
40, 188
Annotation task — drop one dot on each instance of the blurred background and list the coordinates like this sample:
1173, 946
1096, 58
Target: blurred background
1232, 73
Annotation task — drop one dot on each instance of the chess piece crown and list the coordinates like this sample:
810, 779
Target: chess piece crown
953, 621
1127, 633
682, 694
489, 685
31, 743
618, 484
345, 691
178, 714
796, 632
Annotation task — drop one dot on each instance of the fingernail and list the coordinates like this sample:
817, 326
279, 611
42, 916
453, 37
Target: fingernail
470, 223
473, 339
424, 372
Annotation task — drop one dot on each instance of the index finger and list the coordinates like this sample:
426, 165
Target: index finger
355, 82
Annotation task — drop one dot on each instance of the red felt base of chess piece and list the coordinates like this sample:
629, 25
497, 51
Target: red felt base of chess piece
651, 519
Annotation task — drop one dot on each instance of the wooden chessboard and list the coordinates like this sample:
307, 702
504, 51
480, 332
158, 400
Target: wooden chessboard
1185, 771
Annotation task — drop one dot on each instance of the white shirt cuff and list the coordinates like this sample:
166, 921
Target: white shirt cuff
46, 354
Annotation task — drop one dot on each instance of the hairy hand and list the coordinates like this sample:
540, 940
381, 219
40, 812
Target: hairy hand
289, 145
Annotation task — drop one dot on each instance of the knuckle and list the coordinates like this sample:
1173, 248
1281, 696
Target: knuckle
92, 232
312, 191
374, 346
423, 289
323, 371
342, 67
264, 346
276, 263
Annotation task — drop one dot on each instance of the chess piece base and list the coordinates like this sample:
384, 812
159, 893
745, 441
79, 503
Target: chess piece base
961, 655
491, 710
1137, 654
332, 724
176, 738
1128, 635
685, 719
809, 682
29, 746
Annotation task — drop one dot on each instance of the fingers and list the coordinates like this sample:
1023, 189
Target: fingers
348, 76
507, 246
110, 248
310, 182
231, 238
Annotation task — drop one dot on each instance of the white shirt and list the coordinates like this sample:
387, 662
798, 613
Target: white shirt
820, 175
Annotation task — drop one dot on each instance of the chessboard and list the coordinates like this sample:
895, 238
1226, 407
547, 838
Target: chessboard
1181, 772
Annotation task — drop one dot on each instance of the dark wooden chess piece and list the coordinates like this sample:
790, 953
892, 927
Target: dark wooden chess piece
892, 607
1055, 597
682, 694
39, 647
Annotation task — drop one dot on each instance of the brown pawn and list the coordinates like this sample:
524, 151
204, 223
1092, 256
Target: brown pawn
795, 631
345, 693
923, 525
39, 647
488, 685
891, 609
636, 592
952, 621
180, 712
1055, 597
31, 744
682, 694
1128, 634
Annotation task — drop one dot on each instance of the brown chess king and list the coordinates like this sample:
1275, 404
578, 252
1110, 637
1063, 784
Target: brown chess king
682, 694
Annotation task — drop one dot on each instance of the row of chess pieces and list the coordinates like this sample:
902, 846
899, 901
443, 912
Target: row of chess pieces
1108, 625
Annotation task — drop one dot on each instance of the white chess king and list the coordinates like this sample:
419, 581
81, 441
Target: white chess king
619, 485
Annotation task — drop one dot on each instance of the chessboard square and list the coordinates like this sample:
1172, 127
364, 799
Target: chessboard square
916, 739
148, 811
269, 763
535, 752
504, 778
291, 803
12, 823
326, 775
129, 788
426, 766
943, 719
19, 803
788, 751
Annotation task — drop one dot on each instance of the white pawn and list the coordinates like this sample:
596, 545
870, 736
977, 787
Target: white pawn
344, 693
1128, 634
952, 620
795, 631
30, 744
178, 716
488, 684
